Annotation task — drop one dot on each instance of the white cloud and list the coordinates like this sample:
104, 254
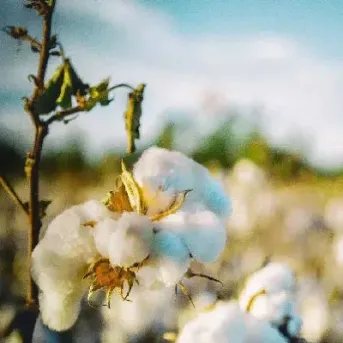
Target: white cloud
299, 92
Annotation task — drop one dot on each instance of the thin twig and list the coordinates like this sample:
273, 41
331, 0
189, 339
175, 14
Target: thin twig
58, 116
121, 85
44, 56
13, 194
34, 42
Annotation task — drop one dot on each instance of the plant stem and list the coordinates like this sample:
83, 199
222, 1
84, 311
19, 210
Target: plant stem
35, 221
34, 157
12, 193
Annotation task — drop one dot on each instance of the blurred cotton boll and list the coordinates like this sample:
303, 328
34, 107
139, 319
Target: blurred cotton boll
227, 323
338, 249
148, 310
314, 309
269, 295
202, 303
333, 214
247, 174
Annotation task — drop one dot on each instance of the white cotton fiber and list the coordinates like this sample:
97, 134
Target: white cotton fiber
131, 241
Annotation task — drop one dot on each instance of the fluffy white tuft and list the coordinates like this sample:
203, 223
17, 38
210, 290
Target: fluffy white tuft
270, 295
130, 242
60, 260
228, 324
102, 233
162, 272
202, 232
172, 172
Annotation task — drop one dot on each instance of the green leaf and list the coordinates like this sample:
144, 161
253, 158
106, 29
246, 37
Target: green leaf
78, 86
96, 95
64, 99
132, 116
46, 102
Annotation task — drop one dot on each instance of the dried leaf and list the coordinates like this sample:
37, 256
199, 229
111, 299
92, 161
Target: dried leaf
132, 116
175, 206
118, 200
132, 189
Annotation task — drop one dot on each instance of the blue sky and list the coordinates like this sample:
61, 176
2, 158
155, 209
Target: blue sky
317, 24
200, 58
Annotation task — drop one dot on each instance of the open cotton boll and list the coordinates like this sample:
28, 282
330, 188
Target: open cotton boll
269, 295
60, 311
162, 272
60, 260
228, 324
131, 241
273, 308
170, 244
60, 281
201, 231
165, 170
202, 303
273, 278
102, 232
77, 215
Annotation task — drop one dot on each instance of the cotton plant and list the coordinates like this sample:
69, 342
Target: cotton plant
270, 295
163, 214
227, 323
264, 312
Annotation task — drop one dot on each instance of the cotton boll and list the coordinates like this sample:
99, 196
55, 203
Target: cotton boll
148, 277
225, 324
275, 277
202, 302
273, 308
148, 310
60, 281
162, 272
171, 272
60, 311
166, 169
314, 309
174, 172
338, 249
215, 198
102, 233
69, 236
78, 215
169, 244
228, 324
248, 174
294, 326
131, 241
93, 210
269, 294
333, 215
201, 230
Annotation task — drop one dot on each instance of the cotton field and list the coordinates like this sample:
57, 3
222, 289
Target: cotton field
281, 268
